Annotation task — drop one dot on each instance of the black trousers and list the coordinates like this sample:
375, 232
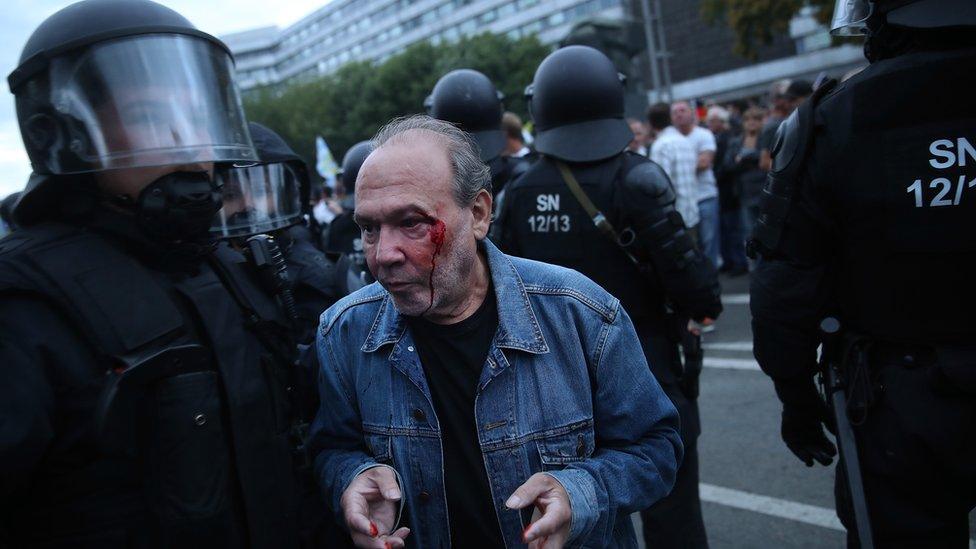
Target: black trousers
675, 521
917, 449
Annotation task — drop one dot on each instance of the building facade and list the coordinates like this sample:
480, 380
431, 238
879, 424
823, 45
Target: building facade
372, 30
700, 56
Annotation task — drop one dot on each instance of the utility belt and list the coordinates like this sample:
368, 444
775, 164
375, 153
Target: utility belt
952, 368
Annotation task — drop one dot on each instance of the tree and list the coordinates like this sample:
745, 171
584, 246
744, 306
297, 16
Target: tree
757, 22
352, 103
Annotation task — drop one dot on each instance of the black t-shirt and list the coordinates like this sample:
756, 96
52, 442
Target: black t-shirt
453, 357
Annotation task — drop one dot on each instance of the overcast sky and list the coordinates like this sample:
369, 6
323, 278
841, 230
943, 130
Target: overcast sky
19, 18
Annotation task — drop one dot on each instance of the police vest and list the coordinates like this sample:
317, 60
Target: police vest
183, 356
893, 166
542, 220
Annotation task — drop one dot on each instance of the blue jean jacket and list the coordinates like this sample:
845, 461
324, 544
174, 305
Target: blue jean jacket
565, 389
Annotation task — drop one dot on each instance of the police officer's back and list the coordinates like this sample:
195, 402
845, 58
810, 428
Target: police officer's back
868, 216
649, 262
144, 375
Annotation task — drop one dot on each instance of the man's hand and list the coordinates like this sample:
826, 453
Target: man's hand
695, 328
551, 520
369, 506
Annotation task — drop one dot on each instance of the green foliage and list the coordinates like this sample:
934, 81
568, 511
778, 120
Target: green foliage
757, 22
349, 105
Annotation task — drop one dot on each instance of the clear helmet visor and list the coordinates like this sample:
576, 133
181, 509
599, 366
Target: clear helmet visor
141, 101
850, 17
257, 199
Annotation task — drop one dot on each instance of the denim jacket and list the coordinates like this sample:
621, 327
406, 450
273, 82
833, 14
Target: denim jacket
565, 389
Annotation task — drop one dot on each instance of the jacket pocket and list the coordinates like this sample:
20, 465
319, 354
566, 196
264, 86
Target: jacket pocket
380, 447
558, 450
188, 453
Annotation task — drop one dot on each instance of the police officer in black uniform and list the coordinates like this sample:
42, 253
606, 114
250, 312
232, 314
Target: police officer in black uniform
469, 100
145, 377
266, 199
868, 217
343, 238
631, 241
343, 235
7, 223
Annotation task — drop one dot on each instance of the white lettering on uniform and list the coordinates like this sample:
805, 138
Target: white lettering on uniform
942, 148
547, 203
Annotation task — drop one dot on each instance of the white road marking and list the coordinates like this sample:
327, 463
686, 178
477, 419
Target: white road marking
731, 363
728, 346
735, 299
775, 507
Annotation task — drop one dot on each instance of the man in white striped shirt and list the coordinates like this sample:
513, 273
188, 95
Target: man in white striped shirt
676, 154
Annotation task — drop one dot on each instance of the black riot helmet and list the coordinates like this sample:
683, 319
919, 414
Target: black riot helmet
351, 162
577, 103
106, 85
261, 197
856, 17
469, 100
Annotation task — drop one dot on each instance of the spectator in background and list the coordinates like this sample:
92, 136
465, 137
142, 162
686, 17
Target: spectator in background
676, 155
639, 143
730, 211
785, 97
736, 108
741, 167
706, 190
514, 142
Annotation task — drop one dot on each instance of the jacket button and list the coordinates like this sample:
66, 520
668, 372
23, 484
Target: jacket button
200, 420
419, 414
424, 496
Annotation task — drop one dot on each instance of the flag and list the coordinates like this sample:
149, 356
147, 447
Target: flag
324, 163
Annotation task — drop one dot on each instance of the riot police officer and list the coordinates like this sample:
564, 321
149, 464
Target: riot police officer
266, 199
588, 205
343, 235
469, 100
145, 377
867, 218
343, 238
7, 223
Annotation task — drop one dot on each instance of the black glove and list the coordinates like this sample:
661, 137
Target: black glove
804, 417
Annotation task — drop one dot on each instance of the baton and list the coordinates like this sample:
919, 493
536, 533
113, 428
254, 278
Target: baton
846, 444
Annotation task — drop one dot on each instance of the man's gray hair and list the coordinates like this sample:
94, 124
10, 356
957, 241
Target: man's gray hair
471, 175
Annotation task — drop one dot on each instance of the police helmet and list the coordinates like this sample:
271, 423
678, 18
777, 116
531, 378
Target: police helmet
469, 100
264, 196
853, 17
109, 84
577, 104
351, 162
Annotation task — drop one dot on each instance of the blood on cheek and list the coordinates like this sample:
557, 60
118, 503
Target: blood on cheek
436, 234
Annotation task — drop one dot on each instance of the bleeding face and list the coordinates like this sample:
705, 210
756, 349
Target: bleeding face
420, 245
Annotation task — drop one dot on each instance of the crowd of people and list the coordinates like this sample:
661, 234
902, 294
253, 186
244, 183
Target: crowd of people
717, 157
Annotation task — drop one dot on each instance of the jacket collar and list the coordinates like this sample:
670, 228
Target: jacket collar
518, 327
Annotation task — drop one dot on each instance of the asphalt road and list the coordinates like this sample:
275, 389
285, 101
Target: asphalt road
754, 492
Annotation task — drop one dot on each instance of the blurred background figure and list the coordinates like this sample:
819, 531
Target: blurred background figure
731, 237
784, 97
676, 156
685, 120
514, 136
641, 138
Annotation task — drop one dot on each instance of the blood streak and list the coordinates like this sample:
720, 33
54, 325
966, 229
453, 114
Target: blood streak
437, 232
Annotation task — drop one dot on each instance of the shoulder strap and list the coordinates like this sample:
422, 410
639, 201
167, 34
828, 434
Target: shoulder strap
600, 220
